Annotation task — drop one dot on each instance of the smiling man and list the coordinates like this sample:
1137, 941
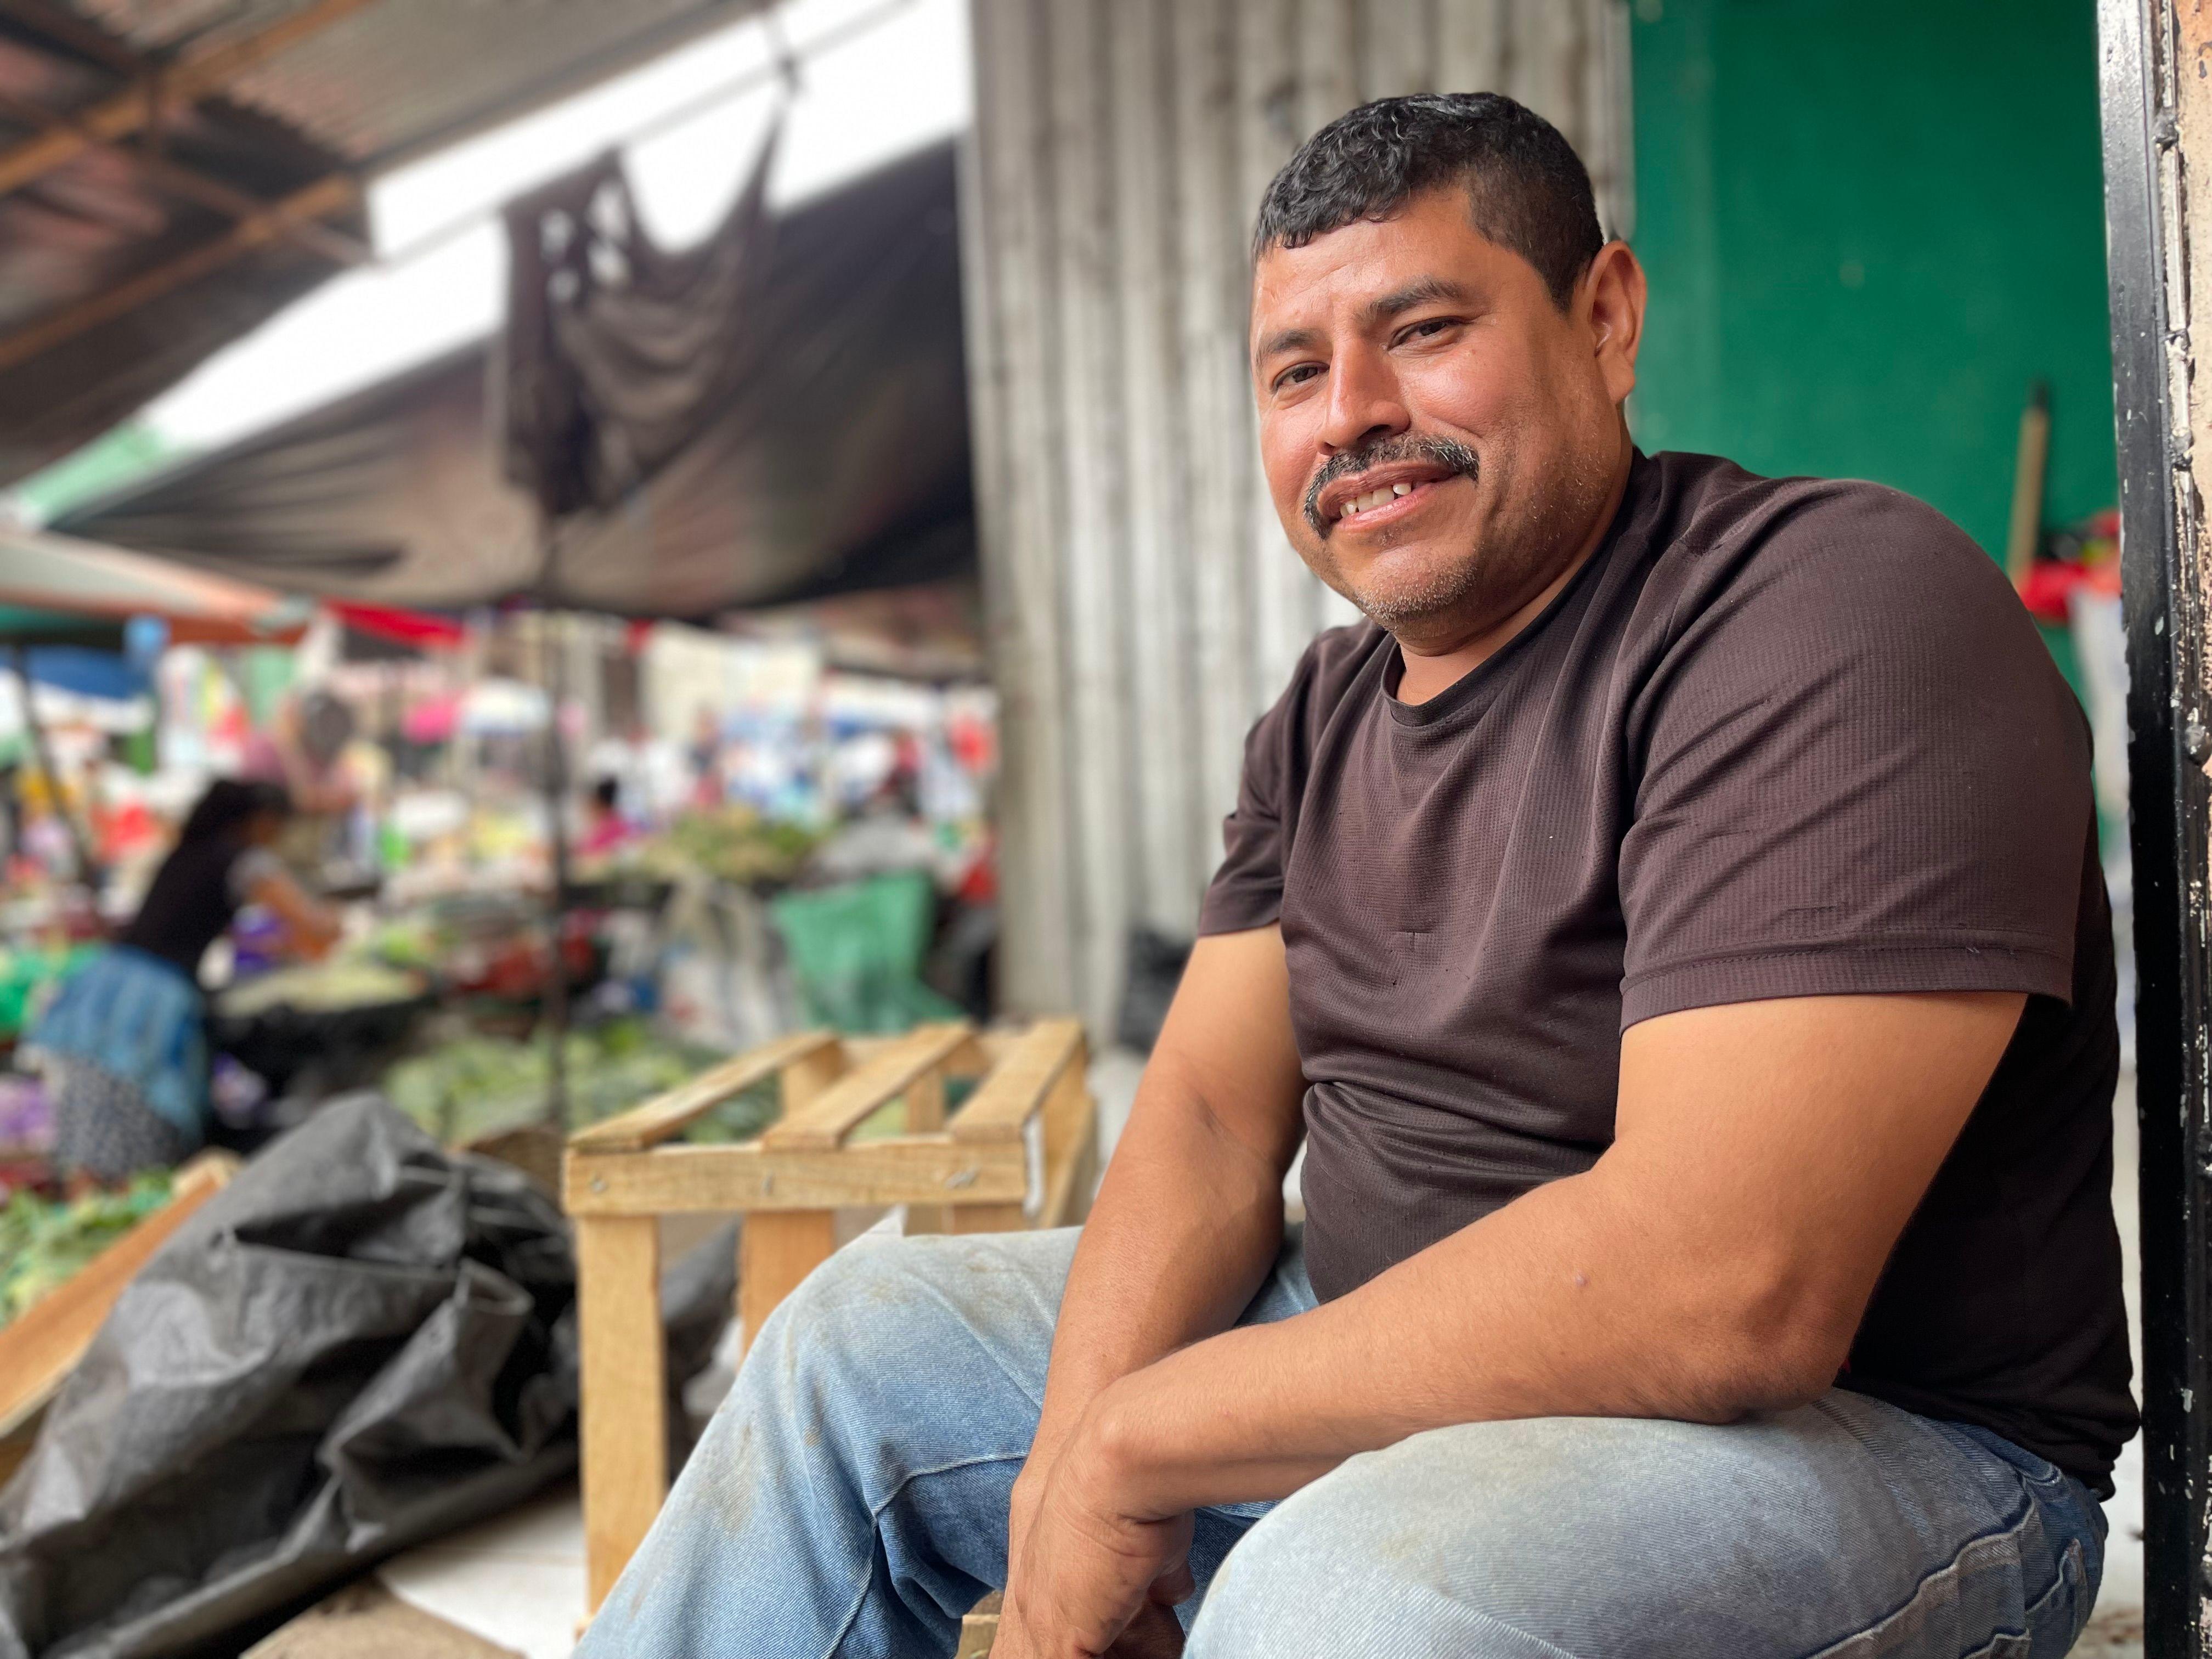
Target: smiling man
1672, 924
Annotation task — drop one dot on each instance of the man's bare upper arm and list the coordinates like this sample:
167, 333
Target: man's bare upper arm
1228, 1041
1798, 1135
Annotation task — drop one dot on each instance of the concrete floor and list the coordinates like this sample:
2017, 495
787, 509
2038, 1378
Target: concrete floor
518, 1580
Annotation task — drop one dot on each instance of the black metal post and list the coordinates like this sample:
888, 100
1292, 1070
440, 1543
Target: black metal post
2167, 745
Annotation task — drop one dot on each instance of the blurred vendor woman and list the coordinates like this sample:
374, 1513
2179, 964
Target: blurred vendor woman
124, 1048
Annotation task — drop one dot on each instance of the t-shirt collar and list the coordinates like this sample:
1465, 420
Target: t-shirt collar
1468, 689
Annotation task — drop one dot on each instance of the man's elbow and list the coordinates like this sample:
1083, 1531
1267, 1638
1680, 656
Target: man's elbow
1767, 1355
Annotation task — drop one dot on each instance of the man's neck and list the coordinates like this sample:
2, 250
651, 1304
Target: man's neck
1431, 668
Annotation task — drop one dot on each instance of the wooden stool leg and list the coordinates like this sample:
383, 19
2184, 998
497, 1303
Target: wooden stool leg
624, 1406
776, 1251
987, 1218
924, 1112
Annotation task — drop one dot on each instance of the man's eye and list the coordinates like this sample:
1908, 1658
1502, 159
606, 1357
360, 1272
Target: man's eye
1296, 376
1428, 328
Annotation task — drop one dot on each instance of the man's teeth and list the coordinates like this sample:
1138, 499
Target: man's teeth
1374, 498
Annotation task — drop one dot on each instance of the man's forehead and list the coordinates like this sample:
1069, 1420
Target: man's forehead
1432, 246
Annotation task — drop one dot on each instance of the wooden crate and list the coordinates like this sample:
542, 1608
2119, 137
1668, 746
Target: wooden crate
41, 1347
1021, 1152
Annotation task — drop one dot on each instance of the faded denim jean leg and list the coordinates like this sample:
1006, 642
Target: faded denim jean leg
850, 1499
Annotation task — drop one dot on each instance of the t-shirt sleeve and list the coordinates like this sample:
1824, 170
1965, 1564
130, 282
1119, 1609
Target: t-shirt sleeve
1860, 773
1247, 890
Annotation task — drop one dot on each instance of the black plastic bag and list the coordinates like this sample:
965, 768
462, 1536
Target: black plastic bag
364, 1341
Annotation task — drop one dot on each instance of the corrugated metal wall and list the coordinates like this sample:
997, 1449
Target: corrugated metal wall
1145, 606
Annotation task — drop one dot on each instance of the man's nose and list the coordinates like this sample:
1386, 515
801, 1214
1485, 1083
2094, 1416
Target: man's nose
1365, 402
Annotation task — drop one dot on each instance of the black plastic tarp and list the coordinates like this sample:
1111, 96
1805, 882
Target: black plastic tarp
839, 461
361, 1342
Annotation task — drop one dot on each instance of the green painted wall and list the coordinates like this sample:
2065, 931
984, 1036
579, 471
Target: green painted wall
1869, 225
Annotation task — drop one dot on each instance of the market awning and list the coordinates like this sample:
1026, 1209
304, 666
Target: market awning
174, 172
842, 464
56, 589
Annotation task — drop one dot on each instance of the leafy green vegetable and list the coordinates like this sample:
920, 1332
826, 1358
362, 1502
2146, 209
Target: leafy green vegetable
43, 1241
479, 1085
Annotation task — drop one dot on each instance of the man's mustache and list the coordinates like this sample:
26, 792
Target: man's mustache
1446, 453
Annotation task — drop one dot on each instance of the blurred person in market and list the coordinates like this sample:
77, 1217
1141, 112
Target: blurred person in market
304, 750
708, 787
605, 829
124, 1048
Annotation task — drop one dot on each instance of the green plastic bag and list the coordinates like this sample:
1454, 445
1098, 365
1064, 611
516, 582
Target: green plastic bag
856, 951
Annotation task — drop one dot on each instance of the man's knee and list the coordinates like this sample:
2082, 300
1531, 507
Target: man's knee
882, 1308
1345, 1566
1462, 1542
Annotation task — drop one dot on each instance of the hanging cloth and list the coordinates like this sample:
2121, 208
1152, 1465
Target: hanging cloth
617, 353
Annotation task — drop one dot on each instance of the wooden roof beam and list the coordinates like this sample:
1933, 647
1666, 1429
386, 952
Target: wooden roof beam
65, 27
332, 194
195, 76
193, 186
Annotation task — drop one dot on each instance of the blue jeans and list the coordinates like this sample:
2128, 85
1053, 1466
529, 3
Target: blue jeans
850, 1499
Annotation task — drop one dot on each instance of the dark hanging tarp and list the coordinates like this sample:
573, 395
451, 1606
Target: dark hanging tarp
839, 460
617, 354
361, 1342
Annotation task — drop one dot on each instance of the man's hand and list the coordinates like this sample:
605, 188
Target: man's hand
1087, 1575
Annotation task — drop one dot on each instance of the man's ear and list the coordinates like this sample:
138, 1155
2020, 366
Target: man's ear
1610, 297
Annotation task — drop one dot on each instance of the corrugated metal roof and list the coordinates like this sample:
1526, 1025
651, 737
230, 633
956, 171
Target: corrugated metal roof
402, 74
125, 260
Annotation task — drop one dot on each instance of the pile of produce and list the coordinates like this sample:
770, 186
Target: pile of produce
320, 988
730, 843
478, 1085
43, 1243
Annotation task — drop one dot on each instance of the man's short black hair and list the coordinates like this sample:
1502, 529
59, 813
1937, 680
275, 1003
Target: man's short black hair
1526, 189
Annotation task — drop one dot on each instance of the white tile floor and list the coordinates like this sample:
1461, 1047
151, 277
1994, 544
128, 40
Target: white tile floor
518, 1580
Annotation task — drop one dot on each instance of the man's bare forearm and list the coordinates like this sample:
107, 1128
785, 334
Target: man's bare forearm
1186, 1227
1716, 1260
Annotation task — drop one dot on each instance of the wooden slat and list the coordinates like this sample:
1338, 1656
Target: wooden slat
669, 1115
1014, 1091
925, 1114
775, 1251
1071, 1151
987, 1218
178, 85
41, 1347
624, 1390
979, 1629
827, 1118
901, 1169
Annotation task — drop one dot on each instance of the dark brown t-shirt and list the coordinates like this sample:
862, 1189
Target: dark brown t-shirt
1778, 738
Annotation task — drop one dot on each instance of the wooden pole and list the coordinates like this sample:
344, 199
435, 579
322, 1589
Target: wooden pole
2028, 468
